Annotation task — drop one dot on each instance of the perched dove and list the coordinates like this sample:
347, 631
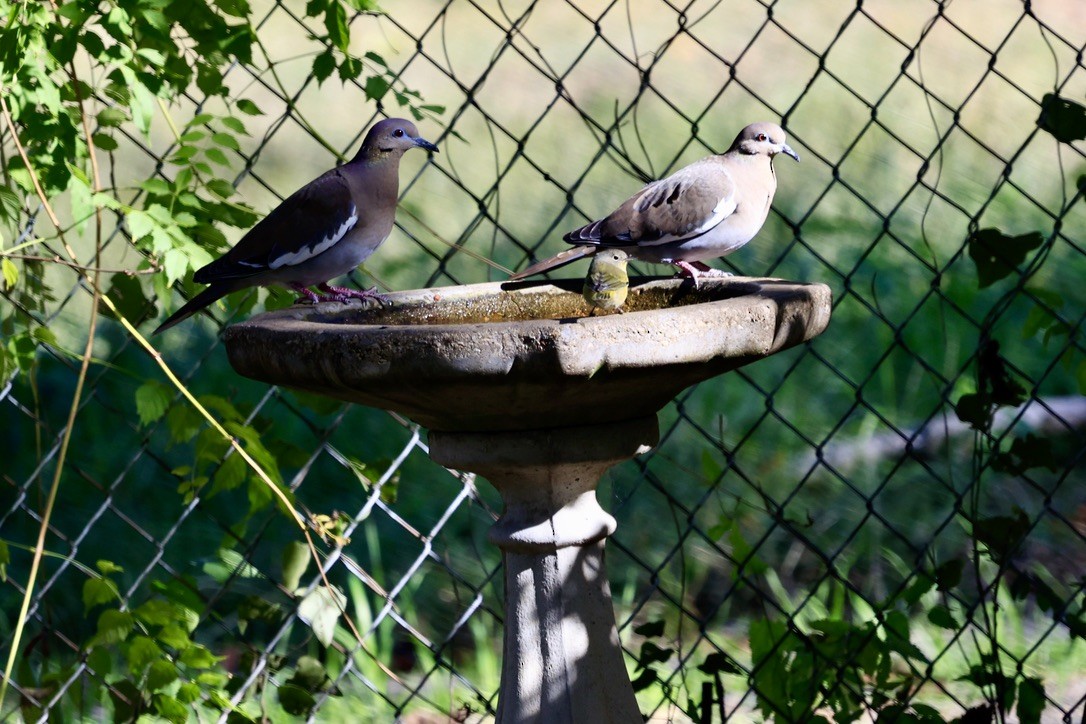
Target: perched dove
706, 210
321, 231
607, 284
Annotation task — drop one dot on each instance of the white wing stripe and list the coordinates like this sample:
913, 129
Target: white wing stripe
308, 252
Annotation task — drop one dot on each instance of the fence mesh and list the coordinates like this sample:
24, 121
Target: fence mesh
796, 516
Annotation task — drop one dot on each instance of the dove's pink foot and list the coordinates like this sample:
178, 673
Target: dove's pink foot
343, 294
697, 270
311, 296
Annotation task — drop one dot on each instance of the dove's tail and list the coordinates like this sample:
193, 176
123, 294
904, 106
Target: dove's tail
207, 297
558, 260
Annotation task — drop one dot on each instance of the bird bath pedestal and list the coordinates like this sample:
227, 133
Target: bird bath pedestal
517, 385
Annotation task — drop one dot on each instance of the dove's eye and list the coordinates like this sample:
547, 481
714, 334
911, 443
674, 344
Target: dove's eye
761, 138
398, 132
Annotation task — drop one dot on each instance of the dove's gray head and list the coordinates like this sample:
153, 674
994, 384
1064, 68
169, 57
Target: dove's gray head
391, 137
765, 139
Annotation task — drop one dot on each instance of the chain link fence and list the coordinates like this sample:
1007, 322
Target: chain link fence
911, 480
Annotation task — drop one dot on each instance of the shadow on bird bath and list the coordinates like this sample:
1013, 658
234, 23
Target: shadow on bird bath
515, 383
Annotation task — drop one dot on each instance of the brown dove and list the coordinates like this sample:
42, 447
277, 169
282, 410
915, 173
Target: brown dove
321, 231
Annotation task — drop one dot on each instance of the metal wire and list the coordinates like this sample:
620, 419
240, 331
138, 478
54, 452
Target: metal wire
835, 476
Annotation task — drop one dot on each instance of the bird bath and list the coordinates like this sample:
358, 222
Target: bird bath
516, 384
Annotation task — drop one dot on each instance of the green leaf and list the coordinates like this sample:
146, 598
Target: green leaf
174, 636
140, 652
152, 400
1025, 454
1001, 534
127, 700
113, 628
949, 574
323, 65
1063, 118
79, 192
198, 657
235, 125
11, 204
73, 12
162, 673
376, 87
157, 186
236, 8
718, 663
97, 591
5, 559
918, 588
188, 693
126, 292
940, 616
175, 263
975, 410
321, 609
215, 155
10, 273
647, 678
350, 68
996, 378
160, 612
232, 473
100, 661
140, 224
309, 673
171, 709
897, 636
1031, 700
221, 188
295, 561
107, 568
104, 141
247, 107
143, 106
650, 629
226, 141
152, 56
295, 700
997, 255
335, 21
652, 654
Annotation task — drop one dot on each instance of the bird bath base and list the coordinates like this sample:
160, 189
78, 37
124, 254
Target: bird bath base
561, 660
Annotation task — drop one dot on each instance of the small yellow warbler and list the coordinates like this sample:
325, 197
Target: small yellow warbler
606, 285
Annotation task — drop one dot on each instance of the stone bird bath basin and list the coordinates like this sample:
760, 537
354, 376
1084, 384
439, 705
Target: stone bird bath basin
515, 383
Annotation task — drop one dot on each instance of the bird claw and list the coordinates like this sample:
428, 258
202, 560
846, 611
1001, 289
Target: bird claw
697, 271
345, 294
308, 296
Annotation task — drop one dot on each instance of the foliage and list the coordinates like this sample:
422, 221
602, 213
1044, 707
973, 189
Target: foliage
143, 60
78, 81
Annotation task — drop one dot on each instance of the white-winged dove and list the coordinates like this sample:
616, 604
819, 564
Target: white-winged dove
607, 284
702, 211
321, 231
